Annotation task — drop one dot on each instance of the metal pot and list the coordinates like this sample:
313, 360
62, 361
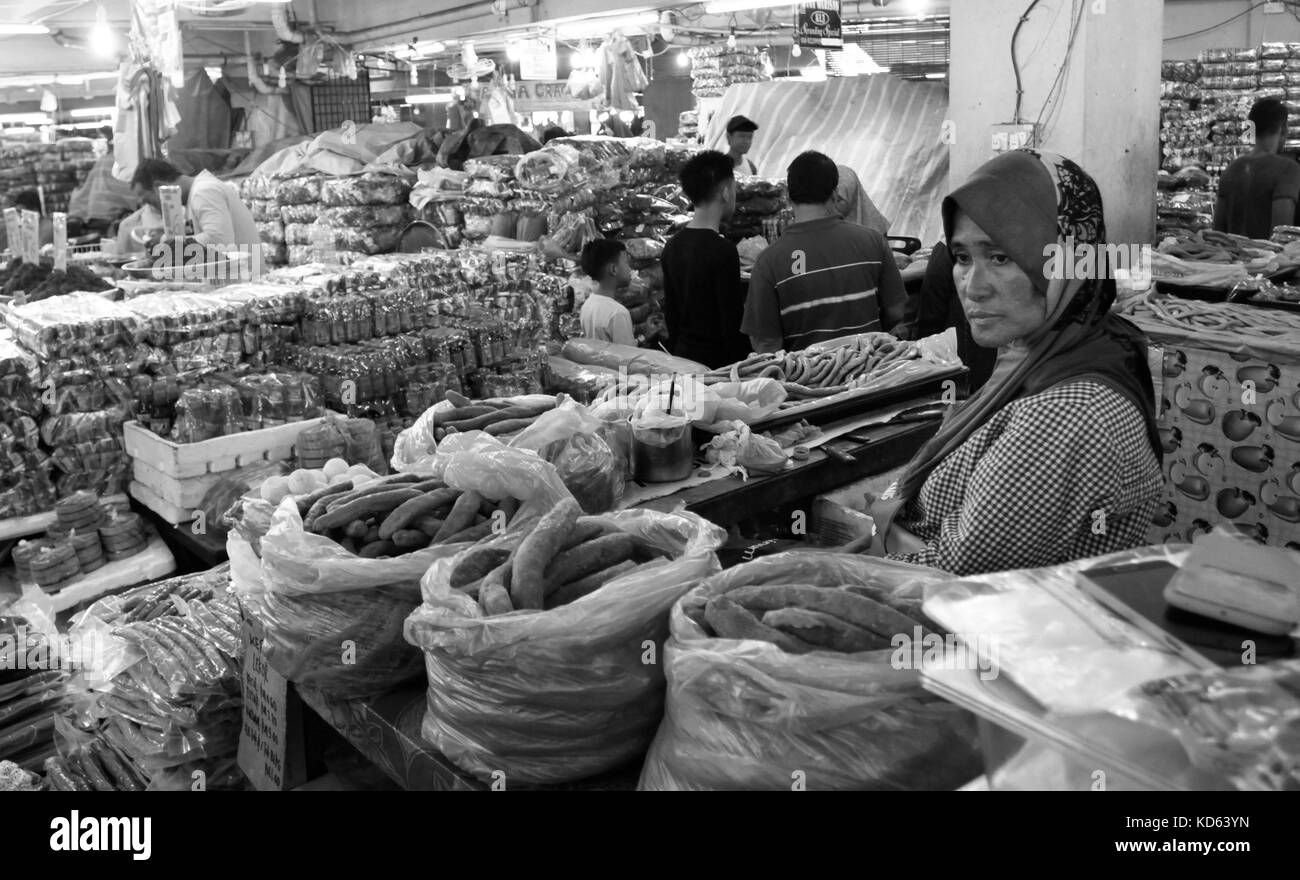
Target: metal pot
662, 455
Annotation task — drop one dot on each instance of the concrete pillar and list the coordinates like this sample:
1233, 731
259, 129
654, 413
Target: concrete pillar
1107, 114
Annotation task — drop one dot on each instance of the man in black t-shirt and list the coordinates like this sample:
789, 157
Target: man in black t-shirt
1261, 189
704, 298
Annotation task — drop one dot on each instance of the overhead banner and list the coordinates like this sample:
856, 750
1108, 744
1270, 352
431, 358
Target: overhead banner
553, 95
818, 25
537, 59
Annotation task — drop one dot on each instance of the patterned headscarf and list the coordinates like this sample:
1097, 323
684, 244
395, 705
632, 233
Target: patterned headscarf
1027, 201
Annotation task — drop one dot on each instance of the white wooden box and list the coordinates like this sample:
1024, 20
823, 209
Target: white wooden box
172, 478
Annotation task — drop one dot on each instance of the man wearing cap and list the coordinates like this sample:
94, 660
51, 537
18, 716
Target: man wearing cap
740, 137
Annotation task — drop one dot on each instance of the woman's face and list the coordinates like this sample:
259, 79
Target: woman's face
999, 300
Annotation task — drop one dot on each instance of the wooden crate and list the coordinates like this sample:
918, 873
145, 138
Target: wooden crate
172, 478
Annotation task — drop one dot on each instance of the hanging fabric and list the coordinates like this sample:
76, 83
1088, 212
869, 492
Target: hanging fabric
141, 122
621, 73
497, 104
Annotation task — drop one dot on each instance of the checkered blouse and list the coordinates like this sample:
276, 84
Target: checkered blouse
1053, 477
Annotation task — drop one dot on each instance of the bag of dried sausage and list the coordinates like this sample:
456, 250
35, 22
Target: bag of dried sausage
746, 713
565, 693
333, 619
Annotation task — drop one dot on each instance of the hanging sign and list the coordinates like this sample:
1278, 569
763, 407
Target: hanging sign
60, 241
818, 25
14, 232
32, 237
173, 212
269, 742
532, 97
537, 59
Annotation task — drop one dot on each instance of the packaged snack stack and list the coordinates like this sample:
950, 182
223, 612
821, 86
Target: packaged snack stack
89, 550
54, 567
437, 198
22, 555
1229, 83
365, 214
81, 511
259, 194
56, 168
487, 204
123, 535
87, 351
1184, 122
1282, 61
688, 125
758, 199
25, 480
714, 68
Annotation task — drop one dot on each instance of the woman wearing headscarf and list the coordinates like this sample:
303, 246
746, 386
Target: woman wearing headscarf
854, 205
1057, 457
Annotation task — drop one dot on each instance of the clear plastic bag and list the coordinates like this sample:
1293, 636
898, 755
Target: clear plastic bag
571, 439
313, 597
1235, 724
552, 696
635, 360
744, 714
748, 401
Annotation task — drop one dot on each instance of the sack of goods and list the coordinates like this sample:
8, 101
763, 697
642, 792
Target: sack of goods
32, 696
162, 701
570, 684
341, 565
788, 669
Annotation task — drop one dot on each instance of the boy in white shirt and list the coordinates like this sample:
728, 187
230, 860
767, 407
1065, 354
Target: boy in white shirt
603, 317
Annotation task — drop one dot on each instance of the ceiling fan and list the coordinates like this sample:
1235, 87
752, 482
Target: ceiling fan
470, 65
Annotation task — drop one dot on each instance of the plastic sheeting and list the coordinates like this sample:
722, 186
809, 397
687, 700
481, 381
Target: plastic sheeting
205, 114
885, 128
338, 152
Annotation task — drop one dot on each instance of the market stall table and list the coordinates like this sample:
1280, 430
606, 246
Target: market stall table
386, 730
153, 562
22, 526
875, 449
196, 551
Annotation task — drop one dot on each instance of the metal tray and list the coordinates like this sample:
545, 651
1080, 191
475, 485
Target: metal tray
852, 403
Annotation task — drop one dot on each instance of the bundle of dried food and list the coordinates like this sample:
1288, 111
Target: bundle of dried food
788, 667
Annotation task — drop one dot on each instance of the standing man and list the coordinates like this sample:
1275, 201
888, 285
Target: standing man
704, 298
825, 277
740, 137
1261, 189
220, 221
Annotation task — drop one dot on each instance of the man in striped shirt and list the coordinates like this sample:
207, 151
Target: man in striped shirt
825, 277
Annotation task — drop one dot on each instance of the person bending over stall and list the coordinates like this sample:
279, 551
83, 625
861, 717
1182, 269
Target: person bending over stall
1057, 457
219, 220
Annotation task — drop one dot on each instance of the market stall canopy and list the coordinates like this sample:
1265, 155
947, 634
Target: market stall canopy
884, 128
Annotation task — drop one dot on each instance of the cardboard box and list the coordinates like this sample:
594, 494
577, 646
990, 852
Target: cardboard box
834, 524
